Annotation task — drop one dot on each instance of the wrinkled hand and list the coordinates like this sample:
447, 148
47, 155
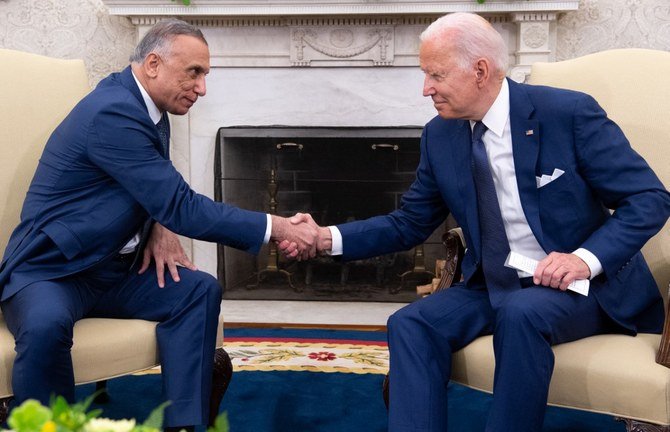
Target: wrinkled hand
558, 270
164, 247
323, 241
298, 234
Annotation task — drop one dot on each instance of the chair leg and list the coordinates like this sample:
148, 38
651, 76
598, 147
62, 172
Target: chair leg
102, 394
223, 372
385, 391
638, 426
4, 408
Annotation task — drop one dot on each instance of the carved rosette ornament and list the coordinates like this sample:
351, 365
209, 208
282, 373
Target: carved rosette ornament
535, 36
357, 45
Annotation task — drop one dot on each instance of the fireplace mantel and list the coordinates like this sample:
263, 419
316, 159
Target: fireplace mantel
346, 33
228, 8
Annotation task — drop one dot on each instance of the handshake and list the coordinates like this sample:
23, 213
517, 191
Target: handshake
299, 237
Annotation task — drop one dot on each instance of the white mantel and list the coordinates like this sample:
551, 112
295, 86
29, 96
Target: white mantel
318, 63
297, 30
333, 7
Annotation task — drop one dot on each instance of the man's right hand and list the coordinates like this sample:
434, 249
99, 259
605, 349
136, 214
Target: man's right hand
299, 237
323, 242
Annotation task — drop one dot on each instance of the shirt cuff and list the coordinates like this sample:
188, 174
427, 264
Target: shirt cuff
591, 261
268, 229
336, 242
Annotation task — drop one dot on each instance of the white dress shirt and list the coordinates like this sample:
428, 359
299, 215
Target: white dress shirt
498, 142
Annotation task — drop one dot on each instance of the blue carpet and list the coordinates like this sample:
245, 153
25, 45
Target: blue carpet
289, 401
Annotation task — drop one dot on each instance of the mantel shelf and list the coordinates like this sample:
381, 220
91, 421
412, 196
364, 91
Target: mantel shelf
234, 8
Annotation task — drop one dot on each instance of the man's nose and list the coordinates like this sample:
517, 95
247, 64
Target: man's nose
200, 86
428, 89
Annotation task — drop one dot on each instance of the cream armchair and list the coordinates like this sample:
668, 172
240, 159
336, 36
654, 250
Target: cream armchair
622, 376
38, 92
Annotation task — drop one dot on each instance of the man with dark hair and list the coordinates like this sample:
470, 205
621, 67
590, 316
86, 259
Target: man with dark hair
103, 183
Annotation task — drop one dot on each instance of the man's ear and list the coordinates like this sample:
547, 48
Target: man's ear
482, 71
150, 65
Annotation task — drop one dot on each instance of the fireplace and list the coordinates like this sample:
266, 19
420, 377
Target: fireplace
337, 175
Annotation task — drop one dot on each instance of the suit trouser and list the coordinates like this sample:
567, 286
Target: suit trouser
41, 317
423, 335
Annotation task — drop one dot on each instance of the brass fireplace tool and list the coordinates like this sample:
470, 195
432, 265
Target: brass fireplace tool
272, 266
418, 271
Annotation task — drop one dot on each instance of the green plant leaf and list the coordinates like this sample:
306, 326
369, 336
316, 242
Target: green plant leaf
30, 416
155, 419
220, 424
72, 417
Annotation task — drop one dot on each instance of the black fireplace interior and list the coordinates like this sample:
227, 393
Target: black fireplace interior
336, 175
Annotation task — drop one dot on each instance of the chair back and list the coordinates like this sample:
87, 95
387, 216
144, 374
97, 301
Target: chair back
38, 92
633, 86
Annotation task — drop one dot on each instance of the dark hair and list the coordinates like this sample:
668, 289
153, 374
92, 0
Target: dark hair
159, 38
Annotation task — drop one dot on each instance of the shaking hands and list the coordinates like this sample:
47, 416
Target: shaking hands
299, 237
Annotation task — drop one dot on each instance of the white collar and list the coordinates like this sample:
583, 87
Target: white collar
496, 117
153, 110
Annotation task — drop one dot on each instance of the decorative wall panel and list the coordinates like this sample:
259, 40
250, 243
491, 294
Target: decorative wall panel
604, 24
68, 29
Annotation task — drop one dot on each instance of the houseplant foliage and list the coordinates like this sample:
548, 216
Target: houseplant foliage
60, 416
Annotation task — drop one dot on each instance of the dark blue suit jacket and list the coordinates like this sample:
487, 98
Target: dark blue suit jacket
100, 176
571, 132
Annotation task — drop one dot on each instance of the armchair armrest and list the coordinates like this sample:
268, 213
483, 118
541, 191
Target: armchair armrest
663, 354
455, 247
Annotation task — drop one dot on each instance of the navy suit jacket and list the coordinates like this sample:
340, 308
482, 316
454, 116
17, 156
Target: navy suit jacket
101, 175
571, 132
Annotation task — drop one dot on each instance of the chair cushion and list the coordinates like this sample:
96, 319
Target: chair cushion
609, 374
103, 348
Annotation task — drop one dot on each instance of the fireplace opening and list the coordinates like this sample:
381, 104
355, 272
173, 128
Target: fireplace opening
336, 175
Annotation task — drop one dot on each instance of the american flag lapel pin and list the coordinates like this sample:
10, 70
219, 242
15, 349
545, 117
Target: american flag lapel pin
529, 132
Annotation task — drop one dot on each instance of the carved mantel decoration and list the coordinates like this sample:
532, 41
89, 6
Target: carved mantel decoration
347, 33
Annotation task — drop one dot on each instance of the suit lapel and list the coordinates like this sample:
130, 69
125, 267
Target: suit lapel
127, 80
526, 148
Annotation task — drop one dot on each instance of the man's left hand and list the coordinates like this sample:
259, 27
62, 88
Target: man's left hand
558, 270
164, 247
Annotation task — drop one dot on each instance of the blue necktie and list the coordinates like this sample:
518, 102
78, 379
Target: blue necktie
163, 127
495, 246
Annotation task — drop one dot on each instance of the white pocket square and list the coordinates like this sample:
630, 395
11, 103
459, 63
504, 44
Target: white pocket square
546, 179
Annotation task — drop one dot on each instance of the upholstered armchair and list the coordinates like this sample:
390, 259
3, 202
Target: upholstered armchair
623, 376
38, 92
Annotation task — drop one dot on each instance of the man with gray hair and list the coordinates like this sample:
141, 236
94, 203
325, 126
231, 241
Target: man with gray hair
524, 169
105, 198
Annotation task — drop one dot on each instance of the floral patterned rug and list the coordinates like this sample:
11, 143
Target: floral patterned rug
296, 354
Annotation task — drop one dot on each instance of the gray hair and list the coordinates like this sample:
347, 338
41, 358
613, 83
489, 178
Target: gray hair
472, 37
159, 38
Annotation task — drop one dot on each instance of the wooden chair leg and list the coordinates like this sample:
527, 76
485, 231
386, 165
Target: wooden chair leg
385, 391
4, 408
102, 394
223, 372
638, 426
